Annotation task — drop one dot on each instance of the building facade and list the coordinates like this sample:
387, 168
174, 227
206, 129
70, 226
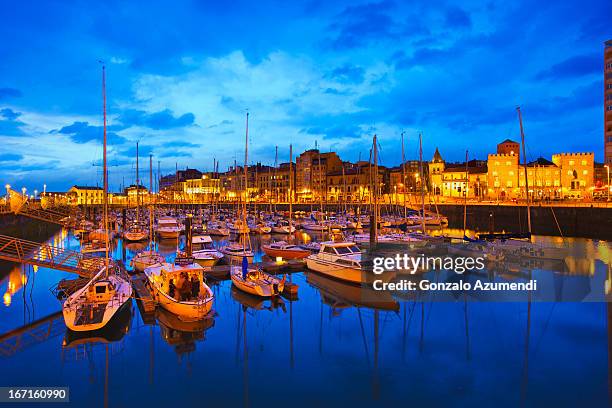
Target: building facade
312, 168
85, 195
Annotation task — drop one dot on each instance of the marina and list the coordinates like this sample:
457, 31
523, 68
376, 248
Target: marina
328, 323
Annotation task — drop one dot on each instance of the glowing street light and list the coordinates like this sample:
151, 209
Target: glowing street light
23, 191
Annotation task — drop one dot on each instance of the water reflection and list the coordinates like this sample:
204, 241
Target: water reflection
332, 338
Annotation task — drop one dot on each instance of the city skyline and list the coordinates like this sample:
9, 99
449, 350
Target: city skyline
331, 73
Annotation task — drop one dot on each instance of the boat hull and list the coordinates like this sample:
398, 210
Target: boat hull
272, 287
295, 253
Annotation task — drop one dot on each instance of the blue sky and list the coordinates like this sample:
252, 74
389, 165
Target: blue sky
182, 74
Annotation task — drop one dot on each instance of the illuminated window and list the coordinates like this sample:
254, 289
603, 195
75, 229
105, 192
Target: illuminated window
508, 163
585, 172
584, 162
571, 162
508, 183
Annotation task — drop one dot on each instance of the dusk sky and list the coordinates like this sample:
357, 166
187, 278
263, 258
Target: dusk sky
181, 75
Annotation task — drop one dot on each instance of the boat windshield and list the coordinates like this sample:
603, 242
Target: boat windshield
344, 250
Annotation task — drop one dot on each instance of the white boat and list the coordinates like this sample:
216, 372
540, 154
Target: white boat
283, 228
238, 228
165, 279
340, 260
311, 226
235, 252
203, 252
135, 233
476, 249
216, 229
256, 282
524, 249
168, 228
94, 305
144, 259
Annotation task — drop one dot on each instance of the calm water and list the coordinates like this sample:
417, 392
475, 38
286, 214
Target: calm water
320, 350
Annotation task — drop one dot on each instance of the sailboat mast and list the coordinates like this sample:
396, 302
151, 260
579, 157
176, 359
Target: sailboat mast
518, 109
404, 179
104, 164
465, 192
151, 235
290, 188
274, 182
375, 188
422, 182
246, 187
137, 189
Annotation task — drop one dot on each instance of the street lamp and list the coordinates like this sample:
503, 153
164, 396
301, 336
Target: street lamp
608, 171
23, 191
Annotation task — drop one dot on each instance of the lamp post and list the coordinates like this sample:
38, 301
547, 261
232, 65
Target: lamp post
23, 191
608, 171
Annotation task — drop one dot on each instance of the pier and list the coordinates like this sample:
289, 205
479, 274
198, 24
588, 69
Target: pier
47, 256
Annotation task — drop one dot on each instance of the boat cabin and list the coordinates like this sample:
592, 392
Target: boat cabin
340, 248
101, 291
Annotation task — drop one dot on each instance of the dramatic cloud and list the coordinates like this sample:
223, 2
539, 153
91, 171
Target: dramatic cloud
9, 125
572, 67
6, 93
158, 120
83, 132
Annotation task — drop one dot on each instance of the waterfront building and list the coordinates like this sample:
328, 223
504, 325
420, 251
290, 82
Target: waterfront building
84, 195
576, 170
202, 189
312, 168
449, 179
273, 183
608, 102
568, 175
396, 183
354, 183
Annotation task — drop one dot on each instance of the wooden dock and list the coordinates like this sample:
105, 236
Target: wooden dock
144, 298
222, 272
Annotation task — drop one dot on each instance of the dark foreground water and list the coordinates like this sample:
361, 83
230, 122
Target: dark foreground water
320, 350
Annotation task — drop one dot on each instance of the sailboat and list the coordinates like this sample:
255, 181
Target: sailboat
520, 245
135, 232
144, 259
468, 246
179, 287
94, 305
283, 249
251, 280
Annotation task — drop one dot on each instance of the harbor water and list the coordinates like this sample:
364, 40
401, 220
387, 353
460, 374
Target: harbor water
253, 352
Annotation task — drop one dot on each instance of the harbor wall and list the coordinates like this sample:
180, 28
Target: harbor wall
585, 222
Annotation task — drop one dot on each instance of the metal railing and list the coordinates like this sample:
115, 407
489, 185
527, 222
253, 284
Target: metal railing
48, 256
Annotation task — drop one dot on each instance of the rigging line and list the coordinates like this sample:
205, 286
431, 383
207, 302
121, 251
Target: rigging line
552, 308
